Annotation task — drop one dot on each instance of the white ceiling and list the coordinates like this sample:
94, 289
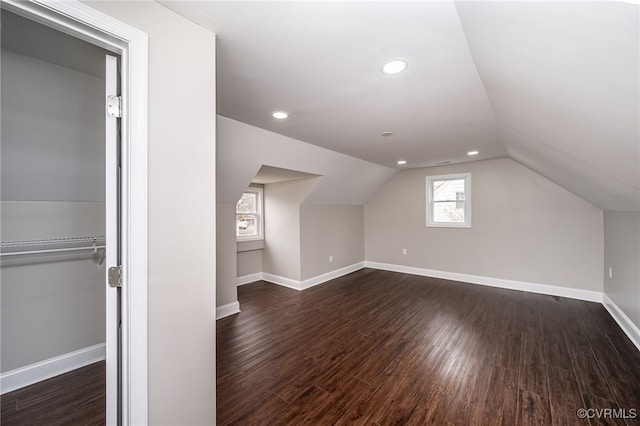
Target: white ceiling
552, 85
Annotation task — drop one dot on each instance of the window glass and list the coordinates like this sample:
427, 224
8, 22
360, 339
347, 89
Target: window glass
249, 215
448, 200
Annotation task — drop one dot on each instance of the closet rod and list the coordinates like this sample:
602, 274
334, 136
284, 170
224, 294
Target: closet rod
51, 241
16, 253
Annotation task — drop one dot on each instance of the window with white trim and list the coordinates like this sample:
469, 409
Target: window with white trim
449, 200
249, 215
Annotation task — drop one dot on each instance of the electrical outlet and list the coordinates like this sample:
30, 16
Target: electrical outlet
610, 272
404, 252
330, 259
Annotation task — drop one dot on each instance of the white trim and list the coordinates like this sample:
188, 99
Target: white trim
34, 373
625, 323
112, 194
259, 213
319, 279
573, 293
283, 281
467, 201
300, 285
227, 310
134, 232
82, 21
248, 279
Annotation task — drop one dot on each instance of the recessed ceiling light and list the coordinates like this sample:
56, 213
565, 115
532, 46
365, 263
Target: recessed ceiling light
280, 115
394, 66
386, 133
472, 153
401, 162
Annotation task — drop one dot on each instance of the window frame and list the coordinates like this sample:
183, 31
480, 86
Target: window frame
259, 214
467, 201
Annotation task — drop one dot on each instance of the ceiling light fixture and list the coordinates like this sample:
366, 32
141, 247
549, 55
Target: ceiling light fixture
386, 133
472, 153
402, 162
280, 115
394, 66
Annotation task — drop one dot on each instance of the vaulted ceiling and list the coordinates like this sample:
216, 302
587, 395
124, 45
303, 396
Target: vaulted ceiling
553, 85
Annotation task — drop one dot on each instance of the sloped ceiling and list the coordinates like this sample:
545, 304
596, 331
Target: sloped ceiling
552, 85
563, 79
270, 174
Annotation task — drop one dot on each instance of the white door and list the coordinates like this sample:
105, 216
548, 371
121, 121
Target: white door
112, 251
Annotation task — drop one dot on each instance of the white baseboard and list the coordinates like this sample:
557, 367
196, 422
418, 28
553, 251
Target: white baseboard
227, 310
310, 282
572, 293
313, 281
283, 281
625, 323
34, 373
248, 279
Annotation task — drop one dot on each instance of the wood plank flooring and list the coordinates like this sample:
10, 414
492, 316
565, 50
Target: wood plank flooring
383, 348
73, 398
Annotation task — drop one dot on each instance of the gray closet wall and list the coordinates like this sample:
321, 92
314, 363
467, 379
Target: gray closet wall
51, 186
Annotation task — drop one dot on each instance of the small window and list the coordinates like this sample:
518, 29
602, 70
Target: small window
249, 221
449, 200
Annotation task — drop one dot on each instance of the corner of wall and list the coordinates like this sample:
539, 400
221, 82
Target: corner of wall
226, 257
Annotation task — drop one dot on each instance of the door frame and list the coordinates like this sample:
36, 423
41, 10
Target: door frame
88, 24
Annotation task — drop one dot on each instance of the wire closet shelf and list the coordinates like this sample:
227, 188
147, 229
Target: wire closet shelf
52, 245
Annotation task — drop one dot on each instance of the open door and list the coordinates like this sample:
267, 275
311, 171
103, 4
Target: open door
112, 237
125, 229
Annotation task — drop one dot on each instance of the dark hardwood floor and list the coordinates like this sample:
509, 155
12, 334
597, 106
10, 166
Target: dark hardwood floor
73, 398
383, 348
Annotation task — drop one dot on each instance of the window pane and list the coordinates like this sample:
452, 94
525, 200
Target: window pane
246, 225
448, 211
247, 203
448, 190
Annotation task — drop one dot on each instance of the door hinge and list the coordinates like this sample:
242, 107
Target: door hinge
115, 276
114, 106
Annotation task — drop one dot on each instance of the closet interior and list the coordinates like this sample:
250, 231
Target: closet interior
52, 211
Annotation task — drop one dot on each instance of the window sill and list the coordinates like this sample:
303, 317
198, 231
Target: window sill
449, 225
249, 245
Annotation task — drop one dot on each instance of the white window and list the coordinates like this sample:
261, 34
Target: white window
449, 200
249, 220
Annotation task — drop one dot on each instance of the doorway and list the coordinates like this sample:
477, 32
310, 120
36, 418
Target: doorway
126, 383
58, 193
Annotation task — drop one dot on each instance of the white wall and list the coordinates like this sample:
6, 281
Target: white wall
52, 131
226, 259
52, 174
622, 255
323, 231
182, 213
249, 262
242, 149
336, 231
525, 228
281, 255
